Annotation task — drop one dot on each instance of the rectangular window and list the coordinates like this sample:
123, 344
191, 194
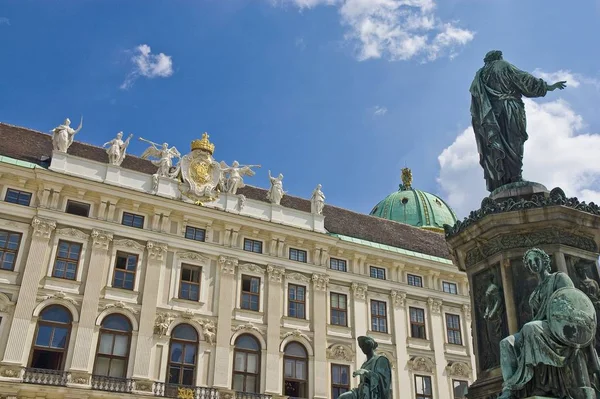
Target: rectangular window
125, 268
417, 323
78, 208
450, 288
18, 197
67, 258
339, 309
250, 293
296, 301
340, 380
416, 281
253, 246
133, 220
423, 387
194, 233
378, 316
337, 264
189, 284
460, 389
377, 272
298, 255
9, 248
453, 329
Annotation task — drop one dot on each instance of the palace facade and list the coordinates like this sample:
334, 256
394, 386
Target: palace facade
113, 285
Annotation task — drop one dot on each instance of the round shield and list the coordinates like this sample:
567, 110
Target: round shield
571, 317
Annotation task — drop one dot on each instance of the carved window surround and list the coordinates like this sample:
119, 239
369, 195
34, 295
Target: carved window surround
252, 270
23, 228
71, 235
132, 247
193, 259
308, 293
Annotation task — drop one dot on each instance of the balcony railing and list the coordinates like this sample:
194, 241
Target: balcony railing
45, 377
111, 384
184, 391
246, 395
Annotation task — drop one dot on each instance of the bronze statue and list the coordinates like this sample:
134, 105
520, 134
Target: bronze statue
553, 355
498, 117
375, 374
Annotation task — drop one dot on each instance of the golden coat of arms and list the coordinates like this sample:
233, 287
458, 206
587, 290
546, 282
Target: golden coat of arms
200, 172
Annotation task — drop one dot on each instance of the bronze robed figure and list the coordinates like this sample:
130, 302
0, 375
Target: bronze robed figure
375, 374
553, 355
498, 117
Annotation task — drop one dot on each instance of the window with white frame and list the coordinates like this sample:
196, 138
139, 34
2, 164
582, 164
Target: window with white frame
453, 329
125, 270
67, 259
10, 242
450, 288
338, 309
132, 220
195, 233
423, 388
250, 293
337, 264
17, 197
414, 280
379, 316
377, 272
251, 245
296, 301
298, 255
189, 282
417, 323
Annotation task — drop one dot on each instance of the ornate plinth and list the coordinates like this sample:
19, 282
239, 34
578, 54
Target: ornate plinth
489, 246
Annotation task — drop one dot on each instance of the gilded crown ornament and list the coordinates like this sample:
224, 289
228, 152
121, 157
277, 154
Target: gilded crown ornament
406, 179
204, 144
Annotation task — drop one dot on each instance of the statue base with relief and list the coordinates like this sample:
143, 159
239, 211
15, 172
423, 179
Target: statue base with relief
489, 246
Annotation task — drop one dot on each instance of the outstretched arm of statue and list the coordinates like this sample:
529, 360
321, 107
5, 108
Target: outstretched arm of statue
79, 127
558, 85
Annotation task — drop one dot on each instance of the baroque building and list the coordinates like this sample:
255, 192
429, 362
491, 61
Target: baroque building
118, 280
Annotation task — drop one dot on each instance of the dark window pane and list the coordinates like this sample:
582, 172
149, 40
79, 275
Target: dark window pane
77, 208
18, 197
56, 313
116, 322
194, 233
44, 335
185, 332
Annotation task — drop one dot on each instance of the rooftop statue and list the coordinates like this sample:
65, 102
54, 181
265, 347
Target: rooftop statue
498, 117
234, 181
275, 193
164, 156
375, 374
317, 201
62, 135
117, 148
553, 355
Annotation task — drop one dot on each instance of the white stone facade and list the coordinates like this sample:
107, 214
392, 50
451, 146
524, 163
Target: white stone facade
141, 274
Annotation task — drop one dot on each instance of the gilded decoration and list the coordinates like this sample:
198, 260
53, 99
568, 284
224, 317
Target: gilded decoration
201, 174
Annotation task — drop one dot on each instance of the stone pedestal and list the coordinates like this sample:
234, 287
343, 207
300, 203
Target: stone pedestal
489, 246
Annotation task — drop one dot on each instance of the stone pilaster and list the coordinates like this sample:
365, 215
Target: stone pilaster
321, 372
145, 342
26, 302
438, 340
89, 307
399, 320
360, 308
226, 294
275, 294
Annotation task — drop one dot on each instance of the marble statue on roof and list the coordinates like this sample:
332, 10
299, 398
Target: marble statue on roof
317, 201
275, 193
62, 135
117, 148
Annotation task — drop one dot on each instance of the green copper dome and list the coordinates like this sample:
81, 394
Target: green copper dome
415, 207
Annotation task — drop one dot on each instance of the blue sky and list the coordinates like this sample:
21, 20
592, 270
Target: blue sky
337, 92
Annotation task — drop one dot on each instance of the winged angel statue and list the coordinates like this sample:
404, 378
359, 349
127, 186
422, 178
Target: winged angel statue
235, 180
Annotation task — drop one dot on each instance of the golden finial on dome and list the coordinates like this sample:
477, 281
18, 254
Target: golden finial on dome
204, 144
406, 179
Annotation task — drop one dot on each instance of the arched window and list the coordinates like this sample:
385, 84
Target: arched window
51, 338
246, 366
295, 371
182, 355
113, 347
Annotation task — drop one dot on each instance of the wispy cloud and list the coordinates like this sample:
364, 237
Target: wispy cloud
4, 21
395, 29
148, 65
573, 79
379, 110
300, 43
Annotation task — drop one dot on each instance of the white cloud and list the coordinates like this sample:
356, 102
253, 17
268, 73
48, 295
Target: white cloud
4, 21
300, 43
395, 29
148, 65
573, 79
557, 154
379, 111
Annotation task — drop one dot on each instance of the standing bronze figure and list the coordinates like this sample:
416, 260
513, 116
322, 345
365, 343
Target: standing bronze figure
498, 117
375, 374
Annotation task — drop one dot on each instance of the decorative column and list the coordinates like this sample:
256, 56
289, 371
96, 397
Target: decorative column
438, 340
145, 341
360, 308
91, 297
15, 348
274, 306
226, 305
399, 320
319, 322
